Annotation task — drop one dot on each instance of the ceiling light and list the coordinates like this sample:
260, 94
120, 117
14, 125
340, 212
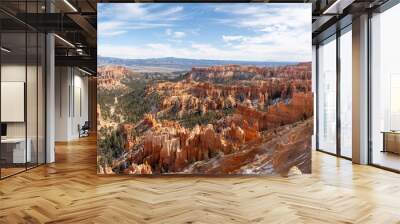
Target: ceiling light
70, 5
65, 41
338, 6
5, 50
86, 72
79, 51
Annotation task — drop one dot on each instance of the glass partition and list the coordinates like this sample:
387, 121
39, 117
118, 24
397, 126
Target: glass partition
327, 96
346, 93
385, 89
13, 92
22, 88
31, 98
41, 96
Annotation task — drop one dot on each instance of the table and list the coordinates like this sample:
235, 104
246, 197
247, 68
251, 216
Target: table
391, 141
13, 150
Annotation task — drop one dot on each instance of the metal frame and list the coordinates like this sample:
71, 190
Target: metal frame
338, 97
0, 91
389, 4
380, 9
316, 96
369, 98
44, 71
339, 32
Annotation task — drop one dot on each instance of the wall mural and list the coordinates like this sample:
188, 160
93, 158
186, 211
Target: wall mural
215, 89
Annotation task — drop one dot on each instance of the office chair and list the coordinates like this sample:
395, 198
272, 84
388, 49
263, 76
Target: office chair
84, 130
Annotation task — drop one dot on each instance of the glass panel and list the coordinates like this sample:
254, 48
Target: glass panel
41, 99
13, 80
346, 94
31, 98
385, 84
23, 87
31, 88
327, 96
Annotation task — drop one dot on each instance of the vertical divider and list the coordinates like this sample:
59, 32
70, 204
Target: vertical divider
37, 89
338, 80
26, 86
317, 96
369, 96
1, 166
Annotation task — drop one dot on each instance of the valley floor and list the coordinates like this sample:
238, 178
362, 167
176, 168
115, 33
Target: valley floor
69, 191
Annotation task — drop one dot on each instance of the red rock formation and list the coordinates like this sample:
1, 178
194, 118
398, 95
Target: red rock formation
110, 76
278, 151
300, 107
297, 71
170, 147
125, 130
271, 123
204, 95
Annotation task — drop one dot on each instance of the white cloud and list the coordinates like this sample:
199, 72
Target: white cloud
176, 34
282, 30
139, 12
110, 28
168, 32
124, 17
268, 18
232, 38
272, 34
114, 33
179, 34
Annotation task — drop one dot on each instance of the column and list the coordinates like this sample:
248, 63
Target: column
360, 90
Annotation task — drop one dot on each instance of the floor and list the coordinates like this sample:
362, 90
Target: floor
69, 191
5, 172
386, 159
10, 171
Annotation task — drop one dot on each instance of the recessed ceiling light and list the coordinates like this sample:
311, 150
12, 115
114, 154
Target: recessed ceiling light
70, 5
337, 7
64, 40
86, 72
5, 50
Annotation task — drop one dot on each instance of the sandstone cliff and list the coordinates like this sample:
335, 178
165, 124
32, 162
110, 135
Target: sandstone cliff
265, 125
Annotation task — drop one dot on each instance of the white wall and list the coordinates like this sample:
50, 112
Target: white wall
33, 126
62, 81
70, 83
12, 73
81, 89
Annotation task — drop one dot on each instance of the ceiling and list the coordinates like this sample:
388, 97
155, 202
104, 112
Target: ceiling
332, 15
73, 21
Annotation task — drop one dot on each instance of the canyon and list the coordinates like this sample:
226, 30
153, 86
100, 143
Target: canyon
228, 119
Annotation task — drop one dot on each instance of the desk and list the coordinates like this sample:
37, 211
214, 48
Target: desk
391, 141
13, 150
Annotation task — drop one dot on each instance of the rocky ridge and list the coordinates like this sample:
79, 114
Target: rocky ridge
269, 105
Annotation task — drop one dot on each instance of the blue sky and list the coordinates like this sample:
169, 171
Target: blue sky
249, 31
